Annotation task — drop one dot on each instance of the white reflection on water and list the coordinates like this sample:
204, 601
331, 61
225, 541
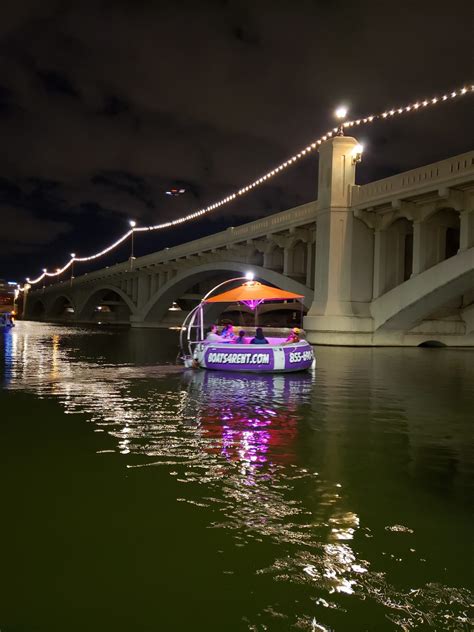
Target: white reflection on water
235, 436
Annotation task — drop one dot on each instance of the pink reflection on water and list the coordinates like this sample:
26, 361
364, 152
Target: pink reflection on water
264, 434
250, 419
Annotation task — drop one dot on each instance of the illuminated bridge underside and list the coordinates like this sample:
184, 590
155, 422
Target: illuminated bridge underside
387, 263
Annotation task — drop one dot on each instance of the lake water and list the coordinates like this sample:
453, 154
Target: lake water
137, 496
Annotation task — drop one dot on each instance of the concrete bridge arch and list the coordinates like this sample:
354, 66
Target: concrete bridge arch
87, 303
37, 308
157, 306
57, 304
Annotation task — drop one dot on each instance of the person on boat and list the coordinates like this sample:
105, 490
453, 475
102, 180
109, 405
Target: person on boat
212, 335
227, 333
295, 336
259, 338
241, 339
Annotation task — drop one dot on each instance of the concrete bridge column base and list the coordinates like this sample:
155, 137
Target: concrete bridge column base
338, 330
358, 332
387, 339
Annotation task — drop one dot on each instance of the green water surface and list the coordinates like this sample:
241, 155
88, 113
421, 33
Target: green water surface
137, 496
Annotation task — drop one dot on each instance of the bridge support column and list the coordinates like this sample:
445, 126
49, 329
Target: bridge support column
380, 251
344, 254
143, 290
155, 282
287, 261
309, 264
466, 237
418, 250
162, 278
428, 245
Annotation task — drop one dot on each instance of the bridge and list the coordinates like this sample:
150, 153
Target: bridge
387, 263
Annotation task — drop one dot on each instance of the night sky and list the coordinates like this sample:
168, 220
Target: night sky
105, 105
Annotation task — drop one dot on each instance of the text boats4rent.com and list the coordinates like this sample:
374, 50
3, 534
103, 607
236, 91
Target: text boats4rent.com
221, 357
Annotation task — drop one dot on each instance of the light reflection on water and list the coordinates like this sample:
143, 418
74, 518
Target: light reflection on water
235, 439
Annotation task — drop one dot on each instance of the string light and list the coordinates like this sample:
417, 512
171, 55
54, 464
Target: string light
274, 171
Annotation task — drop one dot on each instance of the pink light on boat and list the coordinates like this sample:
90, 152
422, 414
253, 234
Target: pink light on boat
253, 303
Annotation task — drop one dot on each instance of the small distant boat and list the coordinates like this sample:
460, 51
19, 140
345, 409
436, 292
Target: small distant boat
278, 356
6, 320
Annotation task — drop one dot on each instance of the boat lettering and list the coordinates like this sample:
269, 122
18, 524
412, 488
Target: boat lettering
238, 358
300, 356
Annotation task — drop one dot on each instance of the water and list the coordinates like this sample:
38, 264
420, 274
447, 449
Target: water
139, 497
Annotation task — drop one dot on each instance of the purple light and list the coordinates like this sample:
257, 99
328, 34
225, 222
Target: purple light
253, 303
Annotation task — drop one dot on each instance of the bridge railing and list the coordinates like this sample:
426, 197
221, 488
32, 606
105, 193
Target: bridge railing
298, 216
401, 185
294, 217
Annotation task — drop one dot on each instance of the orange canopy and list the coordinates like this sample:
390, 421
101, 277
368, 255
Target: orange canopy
253, 291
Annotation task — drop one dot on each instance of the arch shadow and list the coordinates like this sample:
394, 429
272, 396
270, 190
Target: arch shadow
57, 306
36, 309
85, 311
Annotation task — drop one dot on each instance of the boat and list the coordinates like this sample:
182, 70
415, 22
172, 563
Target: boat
6, 320
279, 355
7, 304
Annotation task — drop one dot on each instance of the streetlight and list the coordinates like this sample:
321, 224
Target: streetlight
340, 114
132, 223
44, 278
357, 153
73, 256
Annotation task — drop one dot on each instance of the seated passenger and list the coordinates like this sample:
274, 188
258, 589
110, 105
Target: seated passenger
294, 336
259, 338
227, 333
212, 335
241, 339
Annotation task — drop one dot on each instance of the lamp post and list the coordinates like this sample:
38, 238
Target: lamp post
44, 278
26, 287
341, 114
357, 153
73, 256
132, 223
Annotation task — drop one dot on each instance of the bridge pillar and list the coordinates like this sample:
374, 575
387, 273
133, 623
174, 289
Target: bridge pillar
310, 263
143, 289
419, 251
344, 252
430, 237
287, 261
380, 257
466, 238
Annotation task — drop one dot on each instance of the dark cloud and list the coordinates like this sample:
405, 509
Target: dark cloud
113, 106
26, 232
56, 83
104, 105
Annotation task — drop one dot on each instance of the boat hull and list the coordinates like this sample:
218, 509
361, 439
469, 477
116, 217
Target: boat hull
283, 358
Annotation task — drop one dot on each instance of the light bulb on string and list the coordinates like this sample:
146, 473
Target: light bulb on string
340, 112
